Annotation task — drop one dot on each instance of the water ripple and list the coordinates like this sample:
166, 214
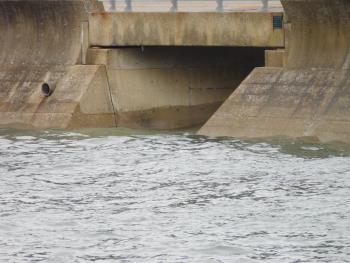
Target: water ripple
110, 196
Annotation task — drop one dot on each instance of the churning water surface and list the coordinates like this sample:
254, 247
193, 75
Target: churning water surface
118, 196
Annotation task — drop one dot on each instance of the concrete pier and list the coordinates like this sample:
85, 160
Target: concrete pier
42, 42
309, 96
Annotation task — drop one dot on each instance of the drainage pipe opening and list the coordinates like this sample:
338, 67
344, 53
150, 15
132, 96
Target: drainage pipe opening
46, 90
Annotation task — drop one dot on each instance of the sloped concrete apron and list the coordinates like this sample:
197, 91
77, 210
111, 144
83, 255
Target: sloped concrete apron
42, 42
310, 95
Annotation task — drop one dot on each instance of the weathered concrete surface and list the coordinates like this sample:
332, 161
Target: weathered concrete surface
40, 41
185, 29
41, 32
310, 96
172, 87
318, 33
275, 58
297, 103
45, 41
81, 99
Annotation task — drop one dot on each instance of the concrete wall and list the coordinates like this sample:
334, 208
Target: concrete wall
318, 34
46, 41
41, 41
310, 96
41, 32
185, 29
172, 87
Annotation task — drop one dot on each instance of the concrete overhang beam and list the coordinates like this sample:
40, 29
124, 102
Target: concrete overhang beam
251, 29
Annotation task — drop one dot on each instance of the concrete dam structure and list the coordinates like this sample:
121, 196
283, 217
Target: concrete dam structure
68, 64
138, 70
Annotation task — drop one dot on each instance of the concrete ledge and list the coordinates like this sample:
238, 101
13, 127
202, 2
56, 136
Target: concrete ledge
170, 117
185, 29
